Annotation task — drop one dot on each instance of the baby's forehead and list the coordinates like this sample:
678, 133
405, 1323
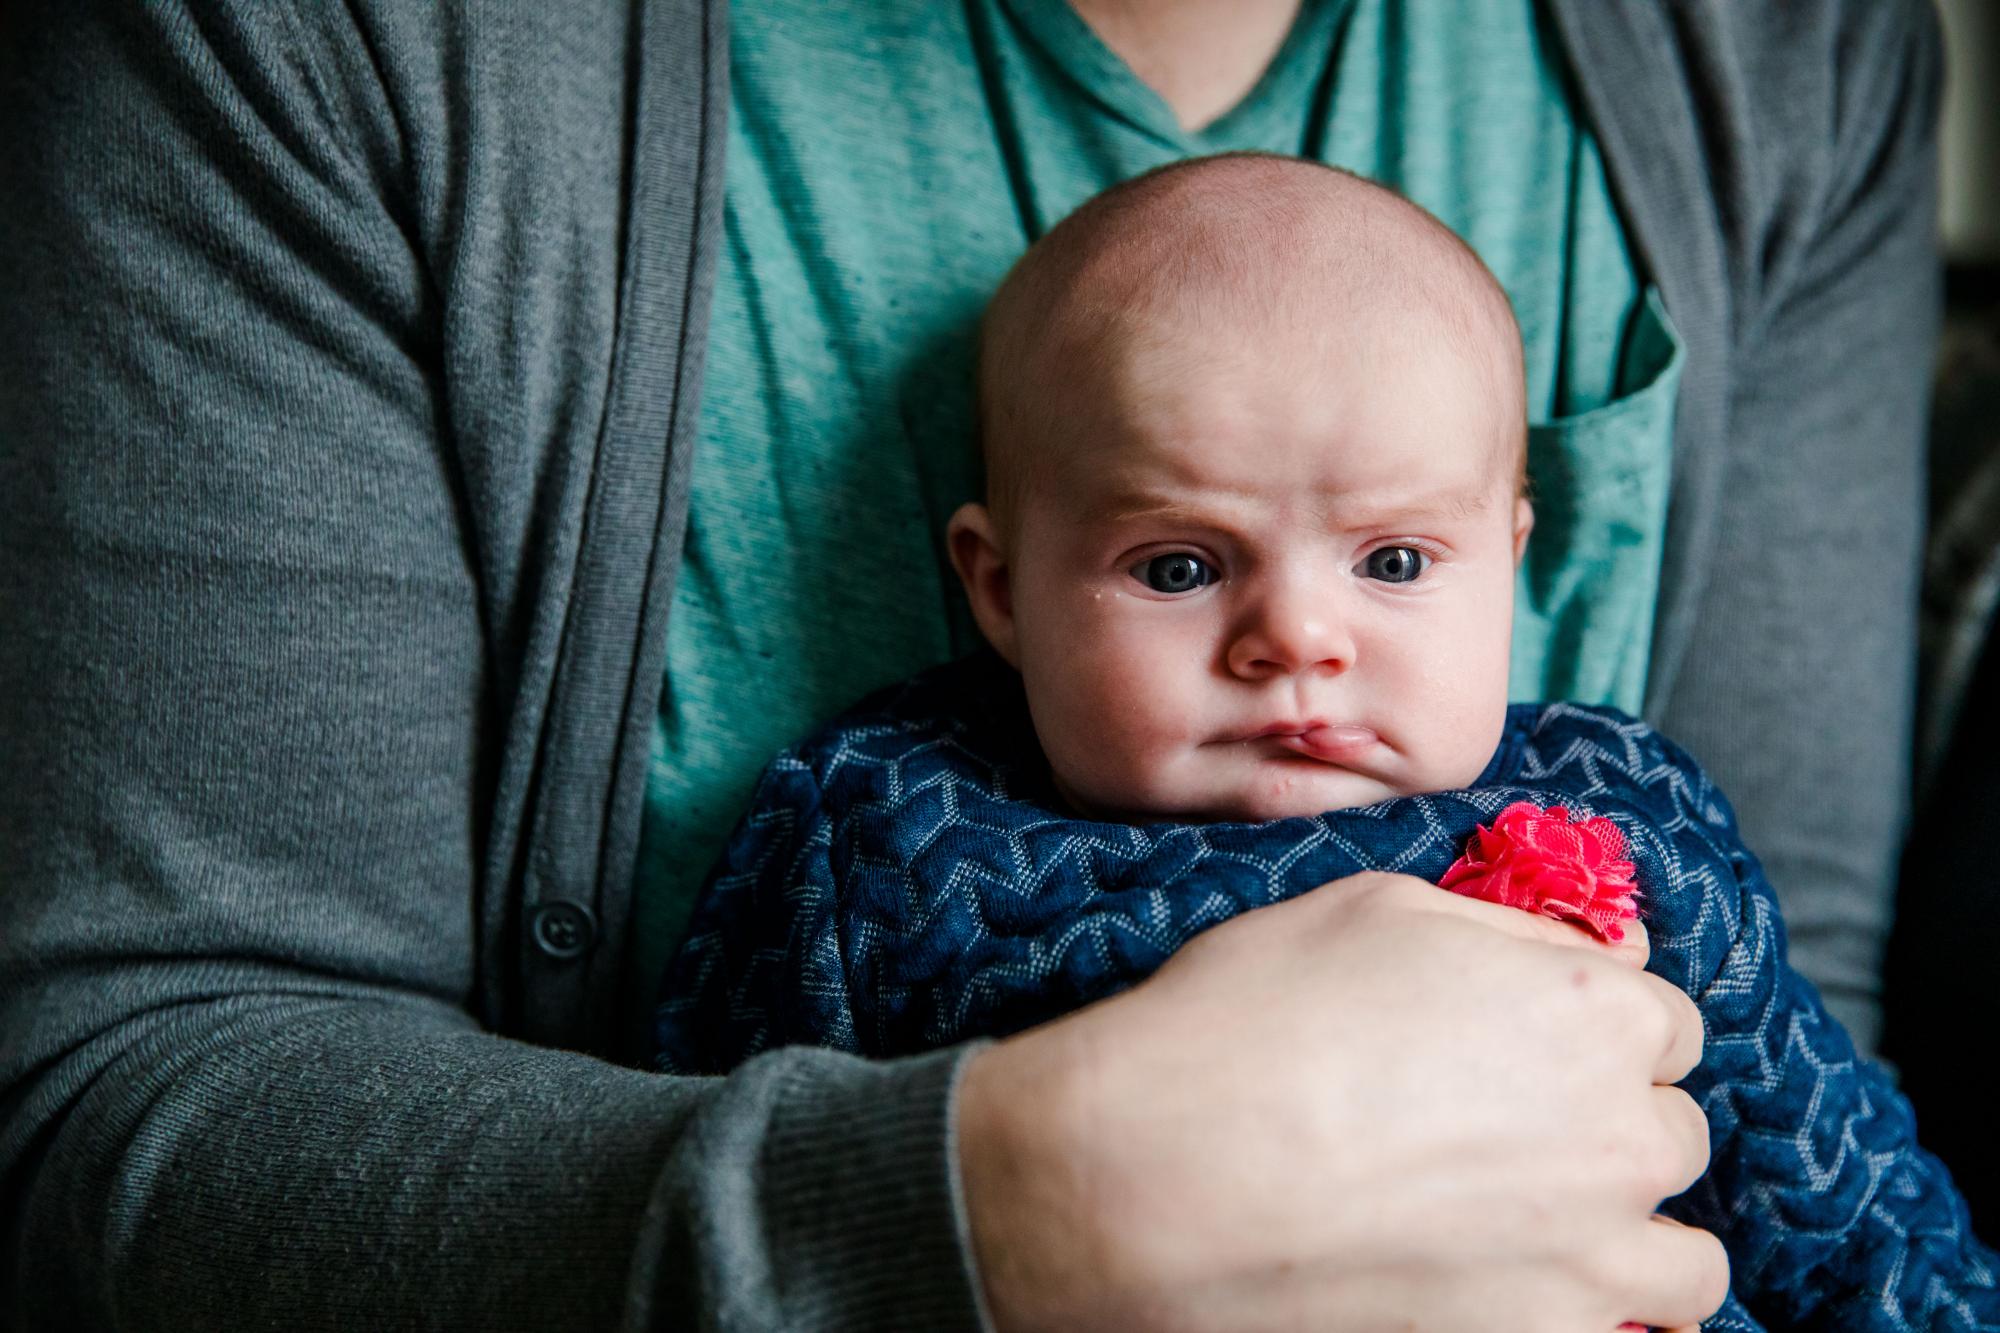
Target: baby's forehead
1270, 238
1216, 279
1204, 444
1237, 376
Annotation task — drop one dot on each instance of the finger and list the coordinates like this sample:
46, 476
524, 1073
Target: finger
1510, 920
1680, 1048
1636, 948
1632, 948
1684, 1328
1681, 1035
1687, 1133
1679, 1275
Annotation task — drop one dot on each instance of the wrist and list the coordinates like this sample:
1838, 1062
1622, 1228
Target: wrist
1022, 1167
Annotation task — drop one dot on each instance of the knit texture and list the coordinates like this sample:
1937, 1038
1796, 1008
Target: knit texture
905, 881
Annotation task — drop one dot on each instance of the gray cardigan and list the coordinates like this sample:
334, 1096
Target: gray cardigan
348, 365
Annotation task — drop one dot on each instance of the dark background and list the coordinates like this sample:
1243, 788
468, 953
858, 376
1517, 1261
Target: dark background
1942, 991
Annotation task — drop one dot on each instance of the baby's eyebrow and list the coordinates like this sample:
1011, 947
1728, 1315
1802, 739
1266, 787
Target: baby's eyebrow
1468, 504
1455, 502
1345, 511
1126, 508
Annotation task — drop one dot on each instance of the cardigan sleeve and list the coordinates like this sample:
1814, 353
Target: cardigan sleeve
247, 685
1796, 684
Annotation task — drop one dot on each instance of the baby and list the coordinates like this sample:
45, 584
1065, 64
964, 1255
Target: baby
1255, 436
1255, 439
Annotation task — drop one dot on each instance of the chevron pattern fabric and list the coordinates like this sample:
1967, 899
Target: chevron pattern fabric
905, 880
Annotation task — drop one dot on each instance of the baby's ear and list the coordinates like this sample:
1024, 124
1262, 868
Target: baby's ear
982, 567
1524, 523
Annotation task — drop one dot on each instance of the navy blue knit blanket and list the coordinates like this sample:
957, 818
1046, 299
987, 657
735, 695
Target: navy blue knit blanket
907, 879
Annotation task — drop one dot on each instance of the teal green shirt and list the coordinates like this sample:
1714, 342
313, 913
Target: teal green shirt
889, 161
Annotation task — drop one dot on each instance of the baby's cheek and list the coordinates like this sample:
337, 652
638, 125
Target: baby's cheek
1118, 699
1126, 751
1460, 716
1133, 740
1084, 725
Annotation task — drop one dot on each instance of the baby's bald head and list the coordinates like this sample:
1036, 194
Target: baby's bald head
1179, 264
1253, 432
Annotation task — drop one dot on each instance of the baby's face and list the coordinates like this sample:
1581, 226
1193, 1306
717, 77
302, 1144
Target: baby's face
1273, 581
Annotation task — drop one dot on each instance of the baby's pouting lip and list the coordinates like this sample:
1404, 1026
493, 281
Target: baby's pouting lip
1333, 742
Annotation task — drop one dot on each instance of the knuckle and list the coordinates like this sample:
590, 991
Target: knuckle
1706, 1271
1595, 1266
1371, 884
1695, 1135
1695, 1264
1697, 1028
1365, 894
1677, 1152
1642, 1016
1714, 1274
1662, 1166
1683, 1012
1664, 1018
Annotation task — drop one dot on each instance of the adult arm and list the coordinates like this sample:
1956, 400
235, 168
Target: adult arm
254, 602
1305, 1196
1796, 683
253, 572
1202, 1142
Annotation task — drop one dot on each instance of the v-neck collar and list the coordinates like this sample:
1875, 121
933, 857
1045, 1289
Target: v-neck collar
1277, 112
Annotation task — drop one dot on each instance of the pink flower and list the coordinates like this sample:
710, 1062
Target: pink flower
1542, 861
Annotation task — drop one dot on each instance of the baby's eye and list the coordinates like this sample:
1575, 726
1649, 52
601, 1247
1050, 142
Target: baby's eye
1395, 564
1175, 572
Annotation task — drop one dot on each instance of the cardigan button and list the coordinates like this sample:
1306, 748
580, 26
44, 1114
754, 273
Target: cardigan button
562, 929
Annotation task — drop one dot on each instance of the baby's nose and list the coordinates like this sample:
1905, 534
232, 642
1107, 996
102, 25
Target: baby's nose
1288, 635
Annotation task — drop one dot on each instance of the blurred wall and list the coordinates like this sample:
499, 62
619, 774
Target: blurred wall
1971, 142
1940, 982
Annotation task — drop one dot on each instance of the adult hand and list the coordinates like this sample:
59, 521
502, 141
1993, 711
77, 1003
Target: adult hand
1374, 1106
1634, 949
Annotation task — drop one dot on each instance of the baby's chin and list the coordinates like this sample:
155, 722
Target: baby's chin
1260, 803
1291, 790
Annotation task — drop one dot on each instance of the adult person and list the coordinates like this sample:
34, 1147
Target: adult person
351, 359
